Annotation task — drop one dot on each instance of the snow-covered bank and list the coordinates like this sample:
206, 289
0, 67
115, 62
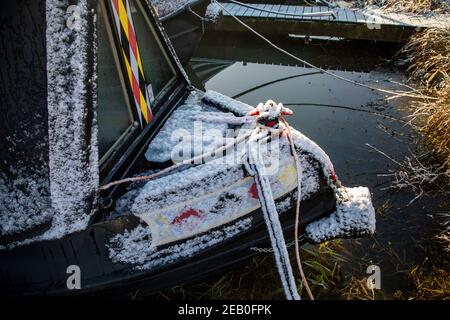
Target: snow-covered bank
166, 7
426, 7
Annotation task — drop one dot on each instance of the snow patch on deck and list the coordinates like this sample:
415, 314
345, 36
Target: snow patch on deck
213, 12
165, 7
182, 186
184, 130
226, 103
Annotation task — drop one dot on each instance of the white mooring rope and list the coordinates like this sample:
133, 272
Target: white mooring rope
272, 221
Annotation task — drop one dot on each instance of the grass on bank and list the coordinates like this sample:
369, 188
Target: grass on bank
259, 278
428, 54
412, 6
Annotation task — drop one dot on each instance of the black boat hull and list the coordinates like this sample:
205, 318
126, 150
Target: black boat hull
41, 268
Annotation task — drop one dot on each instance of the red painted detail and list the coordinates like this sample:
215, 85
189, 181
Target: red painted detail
287, 113
254, 191
136, 90
254, 112
270, 124
132, 39
186, 215
333, 176
116, 5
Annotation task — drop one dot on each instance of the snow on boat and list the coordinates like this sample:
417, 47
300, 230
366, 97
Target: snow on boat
100, 88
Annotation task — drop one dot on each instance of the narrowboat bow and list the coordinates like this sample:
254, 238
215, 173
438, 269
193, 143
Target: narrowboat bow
98, 95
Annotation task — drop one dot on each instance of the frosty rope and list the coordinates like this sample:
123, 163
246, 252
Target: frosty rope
273, 223
297, 207
201, 158
268, 117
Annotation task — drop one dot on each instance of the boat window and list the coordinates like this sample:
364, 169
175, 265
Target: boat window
157, 69
113, 114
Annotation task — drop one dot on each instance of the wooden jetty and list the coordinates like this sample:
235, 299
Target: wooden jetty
334, 55
367, 24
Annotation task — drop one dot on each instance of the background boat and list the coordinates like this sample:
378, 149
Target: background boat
185, 28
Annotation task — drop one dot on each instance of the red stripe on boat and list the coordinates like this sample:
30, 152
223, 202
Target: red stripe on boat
116, 5
254, 191
186, 215
136, 90
132, 39
333, 176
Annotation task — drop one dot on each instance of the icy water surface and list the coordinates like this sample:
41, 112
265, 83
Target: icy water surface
342, 118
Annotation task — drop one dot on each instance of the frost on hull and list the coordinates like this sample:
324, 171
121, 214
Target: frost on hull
49, 175
72, 116
24, 183
133, 247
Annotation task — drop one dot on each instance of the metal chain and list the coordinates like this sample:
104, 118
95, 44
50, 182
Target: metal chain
269, 249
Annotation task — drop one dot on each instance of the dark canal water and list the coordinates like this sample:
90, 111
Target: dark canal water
342, 118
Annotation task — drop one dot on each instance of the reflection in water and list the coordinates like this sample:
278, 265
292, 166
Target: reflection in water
342, 118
